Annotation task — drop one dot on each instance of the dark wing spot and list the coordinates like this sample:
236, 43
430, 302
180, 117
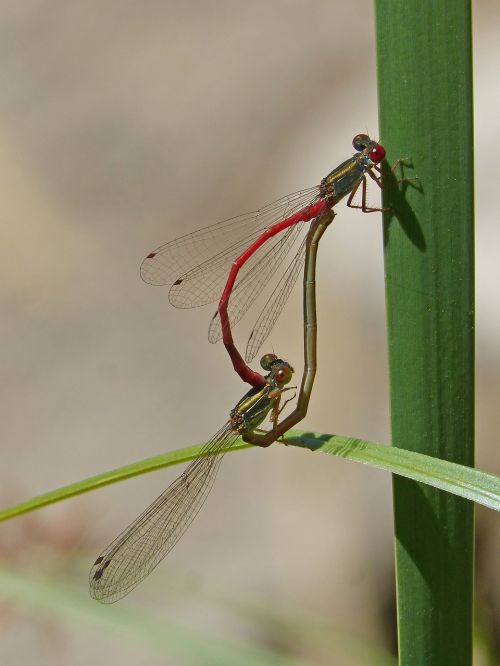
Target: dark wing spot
101, 570
179, 281
150, 256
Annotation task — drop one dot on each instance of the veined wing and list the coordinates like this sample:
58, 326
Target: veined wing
275, 303
270, 259
196, 264
141, 547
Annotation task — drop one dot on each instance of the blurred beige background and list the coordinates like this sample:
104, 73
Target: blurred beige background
123, 125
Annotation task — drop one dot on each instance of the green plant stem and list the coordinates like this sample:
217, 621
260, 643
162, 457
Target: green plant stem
464, 481
425, 95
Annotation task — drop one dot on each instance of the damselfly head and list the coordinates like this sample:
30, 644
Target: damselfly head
377, 153
267, 361
282, 372
279, 370
363, 143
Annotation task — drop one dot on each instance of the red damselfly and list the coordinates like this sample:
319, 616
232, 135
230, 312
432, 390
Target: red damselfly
234, 261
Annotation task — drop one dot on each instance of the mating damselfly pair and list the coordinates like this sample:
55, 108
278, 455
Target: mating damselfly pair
231, 263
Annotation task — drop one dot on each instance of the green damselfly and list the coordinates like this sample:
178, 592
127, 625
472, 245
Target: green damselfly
142, 546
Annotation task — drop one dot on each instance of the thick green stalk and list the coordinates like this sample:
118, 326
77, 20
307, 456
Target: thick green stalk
425, 94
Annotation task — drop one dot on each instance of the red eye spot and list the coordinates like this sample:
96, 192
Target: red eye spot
283, 375
377, 153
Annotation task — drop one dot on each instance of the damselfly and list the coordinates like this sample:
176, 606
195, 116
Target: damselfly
142, 546
234, 261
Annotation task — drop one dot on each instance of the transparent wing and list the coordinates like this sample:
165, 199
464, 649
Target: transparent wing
275, 303
196, 264
141, 547
272, 259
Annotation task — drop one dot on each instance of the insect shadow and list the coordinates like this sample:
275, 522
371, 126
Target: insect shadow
396, 184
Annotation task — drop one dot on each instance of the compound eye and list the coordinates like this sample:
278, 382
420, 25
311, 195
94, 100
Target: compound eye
360, 141
377, 153
283, 375
267, 360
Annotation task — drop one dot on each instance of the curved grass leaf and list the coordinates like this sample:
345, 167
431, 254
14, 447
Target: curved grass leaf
473, 484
